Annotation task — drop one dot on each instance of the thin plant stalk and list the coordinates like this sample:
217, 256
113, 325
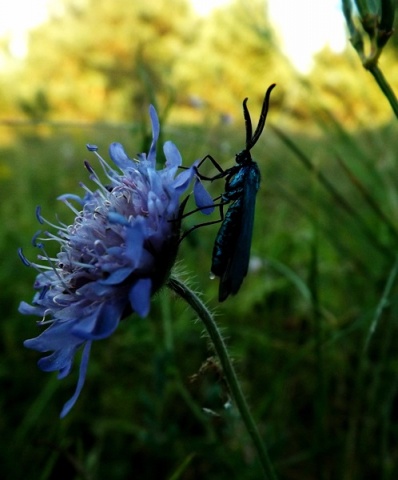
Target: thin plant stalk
384, 302
384, 86
236, 391
379, 28
357, 407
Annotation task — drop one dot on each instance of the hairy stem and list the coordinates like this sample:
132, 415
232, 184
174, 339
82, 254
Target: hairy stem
219, 345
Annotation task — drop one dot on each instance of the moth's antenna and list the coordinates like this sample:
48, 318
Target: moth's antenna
263, 117
248, 124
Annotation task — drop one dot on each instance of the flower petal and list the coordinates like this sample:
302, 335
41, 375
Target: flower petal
203, 198
61, 360
118, 276
135, 243
155, 135
80, 383
140, 295
119, 156
55, 337
27, 309
182, 180
173, 156
101, 323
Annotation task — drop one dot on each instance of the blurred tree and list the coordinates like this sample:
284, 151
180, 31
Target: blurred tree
232, 57
36, 108
99, 59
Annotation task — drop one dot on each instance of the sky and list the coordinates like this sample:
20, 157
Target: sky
16, 17
305, 26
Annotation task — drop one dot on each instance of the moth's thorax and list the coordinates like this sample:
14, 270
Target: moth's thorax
243, 157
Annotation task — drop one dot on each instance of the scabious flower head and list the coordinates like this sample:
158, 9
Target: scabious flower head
117, 253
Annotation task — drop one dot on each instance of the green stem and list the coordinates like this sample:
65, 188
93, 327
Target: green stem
384, 86
358, 404
219, 345
383, 304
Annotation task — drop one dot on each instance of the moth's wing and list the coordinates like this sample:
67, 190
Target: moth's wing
238, 260
226, 239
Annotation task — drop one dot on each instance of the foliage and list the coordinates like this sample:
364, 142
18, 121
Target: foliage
92, 50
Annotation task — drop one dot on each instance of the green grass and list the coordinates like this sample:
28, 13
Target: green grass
312, 330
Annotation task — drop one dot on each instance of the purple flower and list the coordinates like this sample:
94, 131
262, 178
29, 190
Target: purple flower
113, 258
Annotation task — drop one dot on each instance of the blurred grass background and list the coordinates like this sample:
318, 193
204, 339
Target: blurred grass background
312, 330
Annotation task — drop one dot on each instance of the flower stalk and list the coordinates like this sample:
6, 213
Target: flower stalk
385, 87
377, 20
236, 391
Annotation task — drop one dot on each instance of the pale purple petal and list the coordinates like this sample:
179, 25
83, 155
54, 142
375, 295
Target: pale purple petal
203, 198
118, 276
182, 181
140, 294
54, 338
101, 324
173, 156
119, 156
155, 135
80, 383
27, 309
61, 360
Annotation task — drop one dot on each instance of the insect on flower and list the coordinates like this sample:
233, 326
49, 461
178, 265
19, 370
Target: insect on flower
117, 253
231, 251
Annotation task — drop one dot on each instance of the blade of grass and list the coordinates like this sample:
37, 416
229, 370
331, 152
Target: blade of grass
341, 201
181, 468
384, 302
320, 394
329, 233
366, 195
358, 405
